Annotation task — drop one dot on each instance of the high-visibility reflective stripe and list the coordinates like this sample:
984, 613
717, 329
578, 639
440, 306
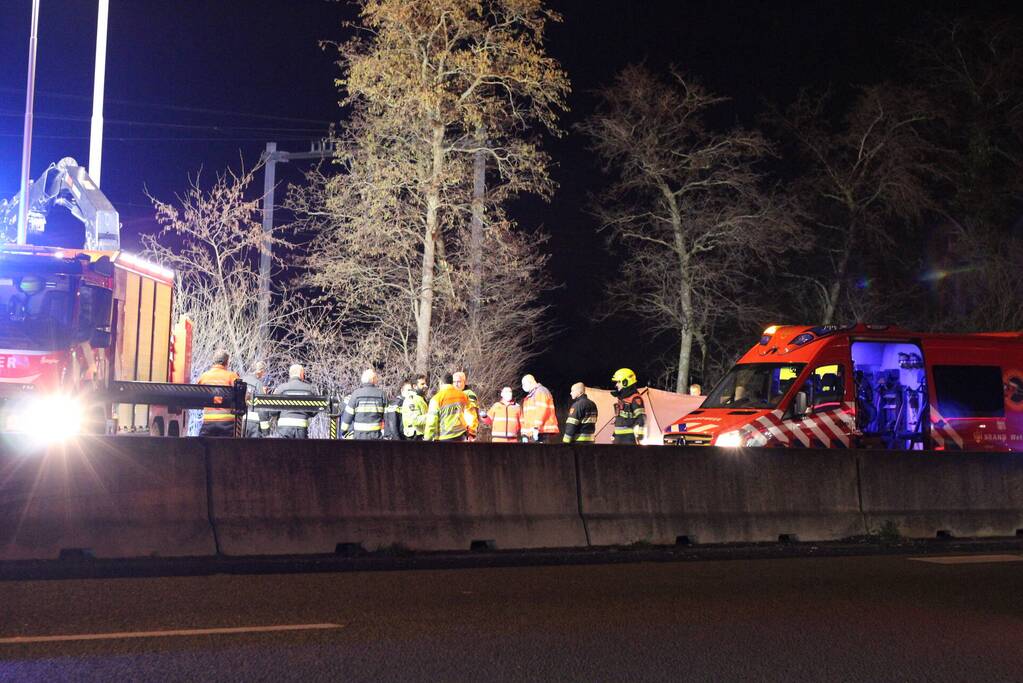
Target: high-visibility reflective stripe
624, 430
589, 420
572, 420
367, 427
448, 437
369, 408
292, 422
288, 402
584, 437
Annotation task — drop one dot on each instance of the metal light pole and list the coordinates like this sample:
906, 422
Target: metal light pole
26, 149
96, 135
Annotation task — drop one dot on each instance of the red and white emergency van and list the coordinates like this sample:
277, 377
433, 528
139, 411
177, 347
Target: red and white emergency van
866, 386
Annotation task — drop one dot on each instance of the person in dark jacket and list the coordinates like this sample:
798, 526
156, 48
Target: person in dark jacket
257, 422
364, 414
394, 429
293, 423
581, 424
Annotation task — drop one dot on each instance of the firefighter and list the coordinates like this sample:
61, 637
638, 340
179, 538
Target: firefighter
539, 422
364, 414
505, 419
445, 416
413, 409
293, 423
581, 425
257, 422
472, 417
218, 421
630, 415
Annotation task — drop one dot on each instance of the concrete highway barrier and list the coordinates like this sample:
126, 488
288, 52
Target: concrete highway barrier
274, 496
138, 497
103, 496
710, 495
928, 494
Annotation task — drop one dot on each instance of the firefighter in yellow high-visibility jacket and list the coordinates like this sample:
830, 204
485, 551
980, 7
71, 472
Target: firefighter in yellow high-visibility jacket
446, 415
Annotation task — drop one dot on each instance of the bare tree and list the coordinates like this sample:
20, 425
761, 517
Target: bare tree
686, 212
425, 81
867, 181
212, 238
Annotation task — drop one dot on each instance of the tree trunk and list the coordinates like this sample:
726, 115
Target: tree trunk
685, 357
685, 350
424, 317
479, 189
835, 289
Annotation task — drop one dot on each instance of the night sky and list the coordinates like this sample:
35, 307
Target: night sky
199, 85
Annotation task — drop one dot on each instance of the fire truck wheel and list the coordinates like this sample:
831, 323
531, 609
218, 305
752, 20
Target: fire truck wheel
156, 427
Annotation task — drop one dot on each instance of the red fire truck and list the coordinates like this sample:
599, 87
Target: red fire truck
866, 386
74, 323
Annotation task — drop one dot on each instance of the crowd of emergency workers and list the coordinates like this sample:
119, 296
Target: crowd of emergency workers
452, 414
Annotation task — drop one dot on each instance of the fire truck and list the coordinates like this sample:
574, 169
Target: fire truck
81, 328
866, 386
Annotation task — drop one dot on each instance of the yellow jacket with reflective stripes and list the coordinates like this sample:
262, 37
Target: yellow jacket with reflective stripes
445, 417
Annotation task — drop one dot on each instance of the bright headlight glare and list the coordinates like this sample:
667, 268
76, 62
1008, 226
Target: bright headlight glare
732, 439
47, 418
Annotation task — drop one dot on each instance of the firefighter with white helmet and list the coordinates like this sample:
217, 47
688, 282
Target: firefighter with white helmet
630, 413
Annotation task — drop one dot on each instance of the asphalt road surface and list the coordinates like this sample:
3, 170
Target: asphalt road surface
839, 618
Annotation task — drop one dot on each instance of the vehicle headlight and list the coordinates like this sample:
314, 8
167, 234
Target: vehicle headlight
732, 439
46, 418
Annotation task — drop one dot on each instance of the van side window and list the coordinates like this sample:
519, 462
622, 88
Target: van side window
969, 390
825, 387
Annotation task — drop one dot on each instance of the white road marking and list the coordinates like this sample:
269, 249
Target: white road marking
968, 559
16, 640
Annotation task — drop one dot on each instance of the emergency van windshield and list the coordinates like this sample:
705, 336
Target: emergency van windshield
35, 311
754, 386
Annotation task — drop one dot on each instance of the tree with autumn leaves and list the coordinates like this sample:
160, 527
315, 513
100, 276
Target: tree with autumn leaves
414, 248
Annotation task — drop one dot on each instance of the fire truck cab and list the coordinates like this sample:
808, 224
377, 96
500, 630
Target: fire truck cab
71, 322
866, 386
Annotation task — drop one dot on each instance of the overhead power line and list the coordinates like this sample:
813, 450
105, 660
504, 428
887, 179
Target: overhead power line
162, 124
171, 107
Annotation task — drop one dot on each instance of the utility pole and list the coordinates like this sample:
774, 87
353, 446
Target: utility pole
26, 149
96, 135
322, 149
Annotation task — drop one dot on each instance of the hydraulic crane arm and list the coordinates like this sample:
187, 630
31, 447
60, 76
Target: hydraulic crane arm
67, 184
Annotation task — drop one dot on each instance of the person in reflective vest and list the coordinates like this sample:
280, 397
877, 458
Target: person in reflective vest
364, 415
630, 414
472, 415
293, 423
581, 424
257, 422
505, 419
539, 422
445, 416
413, 412
218, 421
